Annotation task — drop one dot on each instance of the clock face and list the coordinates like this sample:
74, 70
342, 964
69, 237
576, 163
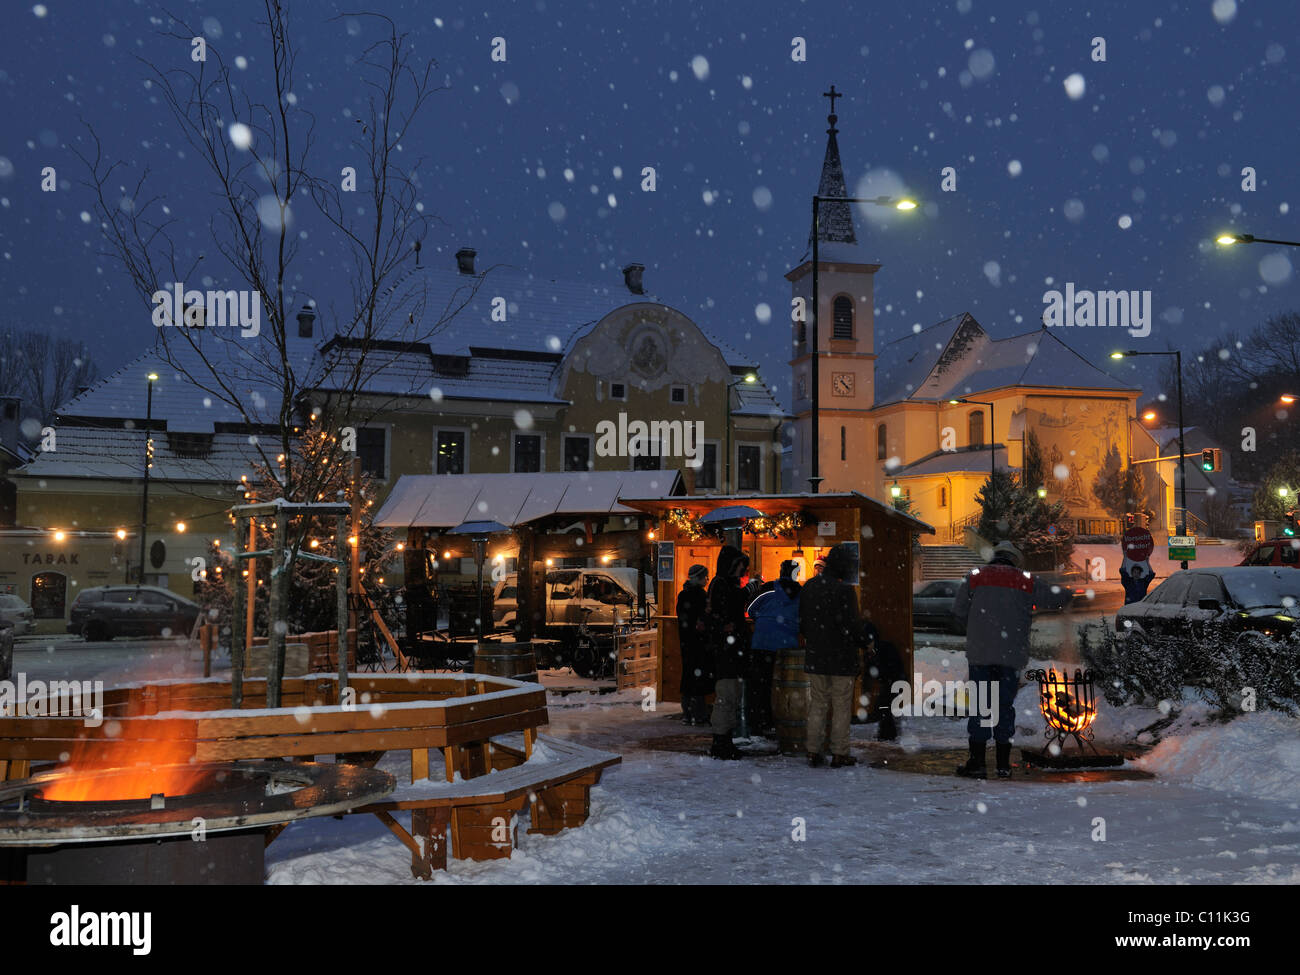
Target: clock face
842, 384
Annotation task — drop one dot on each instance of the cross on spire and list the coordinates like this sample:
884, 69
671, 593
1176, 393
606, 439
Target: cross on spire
832, 95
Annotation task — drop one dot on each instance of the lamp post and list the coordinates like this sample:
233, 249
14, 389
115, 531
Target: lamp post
148, 464
749, 377
814, 481
1182, 451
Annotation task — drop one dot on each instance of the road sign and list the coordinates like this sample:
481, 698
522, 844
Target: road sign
1182, 548
1138, 544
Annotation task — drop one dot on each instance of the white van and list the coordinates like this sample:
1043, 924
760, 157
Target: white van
605, 597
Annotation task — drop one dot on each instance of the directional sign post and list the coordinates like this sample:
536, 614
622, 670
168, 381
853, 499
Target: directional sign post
1182, 548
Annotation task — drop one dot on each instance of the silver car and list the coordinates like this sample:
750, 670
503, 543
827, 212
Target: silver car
17, 612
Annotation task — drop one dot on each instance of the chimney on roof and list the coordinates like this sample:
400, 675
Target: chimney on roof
465, 260
632, 278
306, 318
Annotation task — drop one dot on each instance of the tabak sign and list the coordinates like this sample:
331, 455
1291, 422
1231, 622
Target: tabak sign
50, 558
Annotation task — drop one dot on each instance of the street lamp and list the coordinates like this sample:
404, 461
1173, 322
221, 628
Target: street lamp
148, 464
885, 201
1227, 240
1182, 452
749, 378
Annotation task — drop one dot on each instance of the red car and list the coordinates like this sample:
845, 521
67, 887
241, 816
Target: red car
1275, 551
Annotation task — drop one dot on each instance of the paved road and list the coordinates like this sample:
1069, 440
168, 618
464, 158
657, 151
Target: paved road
63, 657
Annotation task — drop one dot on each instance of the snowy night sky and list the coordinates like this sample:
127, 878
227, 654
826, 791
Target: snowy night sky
536, 162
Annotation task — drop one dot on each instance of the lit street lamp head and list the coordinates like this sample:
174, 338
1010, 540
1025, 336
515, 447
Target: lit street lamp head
1227, 240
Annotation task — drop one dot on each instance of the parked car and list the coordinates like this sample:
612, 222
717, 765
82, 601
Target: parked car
932, 606
1263, 599
103, 612
14, 610
1066, 589
1275, 551
6, 650
600, 597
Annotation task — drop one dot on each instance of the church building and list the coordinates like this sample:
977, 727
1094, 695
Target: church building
926, 415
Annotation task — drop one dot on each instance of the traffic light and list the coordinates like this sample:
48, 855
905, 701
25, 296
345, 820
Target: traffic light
1288, 524
1211, 460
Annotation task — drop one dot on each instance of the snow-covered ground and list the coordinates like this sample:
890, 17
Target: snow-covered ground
1223, 807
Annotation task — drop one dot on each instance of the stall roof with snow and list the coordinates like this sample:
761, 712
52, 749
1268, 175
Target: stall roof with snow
445, 500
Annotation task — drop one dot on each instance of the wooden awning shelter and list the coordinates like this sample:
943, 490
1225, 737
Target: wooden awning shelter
552, 516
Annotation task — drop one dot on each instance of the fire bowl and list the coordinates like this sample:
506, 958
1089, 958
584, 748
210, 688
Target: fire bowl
211, 798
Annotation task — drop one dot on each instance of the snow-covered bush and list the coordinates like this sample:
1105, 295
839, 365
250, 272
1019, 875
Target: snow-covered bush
1232, 671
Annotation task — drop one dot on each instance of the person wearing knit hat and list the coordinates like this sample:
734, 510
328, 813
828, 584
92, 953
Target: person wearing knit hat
819, 566
693, 638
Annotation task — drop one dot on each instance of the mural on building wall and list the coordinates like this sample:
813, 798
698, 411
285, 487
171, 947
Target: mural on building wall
653, 346
1075, 435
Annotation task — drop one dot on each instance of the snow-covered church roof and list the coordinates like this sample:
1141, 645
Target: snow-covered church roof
957, 358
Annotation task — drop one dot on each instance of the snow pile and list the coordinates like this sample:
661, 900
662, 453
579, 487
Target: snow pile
1254, 754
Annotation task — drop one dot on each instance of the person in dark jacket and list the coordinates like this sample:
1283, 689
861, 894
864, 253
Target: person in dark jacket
996, 604
693, 637
729, 640
1136, 578
776, 628
834, 632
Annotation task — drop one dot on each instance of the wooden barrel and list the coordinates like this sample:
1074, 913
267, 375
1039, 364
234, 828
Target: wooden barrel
790, 701
514, 660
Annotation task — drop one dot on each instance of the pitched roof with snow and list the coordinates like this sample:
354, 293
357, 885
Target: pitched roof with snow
119, 455
957, 358
446, 500
966, 460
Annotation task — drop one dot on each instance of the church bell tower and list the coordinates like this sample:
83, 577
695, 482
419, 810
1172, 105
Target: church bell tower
832, 376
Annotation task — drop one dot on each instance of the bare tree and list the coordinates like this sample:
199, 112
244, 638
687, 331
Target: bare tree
245, 144
44, 372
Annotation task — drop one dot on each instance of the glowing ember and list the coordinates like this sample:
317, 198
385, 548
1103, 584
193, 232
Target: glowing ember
154, 767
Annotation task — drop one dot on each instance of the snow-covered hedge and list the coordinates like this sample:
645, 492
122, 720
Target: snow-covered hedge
1232, 671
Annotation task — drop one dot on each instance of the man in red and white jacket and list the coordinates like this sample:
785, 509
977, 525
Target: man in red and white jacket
996, 603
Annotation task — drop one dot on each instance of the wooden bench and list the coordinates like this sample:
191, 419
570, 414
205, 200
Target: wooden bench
486, 729
480, 811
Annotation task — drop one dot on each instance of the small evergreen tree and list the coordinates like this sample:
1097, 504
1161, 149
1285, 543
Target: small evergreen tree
1011, 510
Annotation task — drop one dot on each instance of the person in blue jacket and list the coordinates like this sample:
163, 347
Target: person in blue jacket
776, 628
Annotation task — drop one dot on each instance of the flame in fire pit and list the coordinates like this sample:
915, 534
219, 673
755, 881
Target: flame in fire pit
154, 767
1063, 710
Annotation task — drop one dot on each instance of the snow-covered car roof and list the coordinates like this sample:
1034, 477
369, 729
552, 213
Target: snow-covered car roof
1258, 586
